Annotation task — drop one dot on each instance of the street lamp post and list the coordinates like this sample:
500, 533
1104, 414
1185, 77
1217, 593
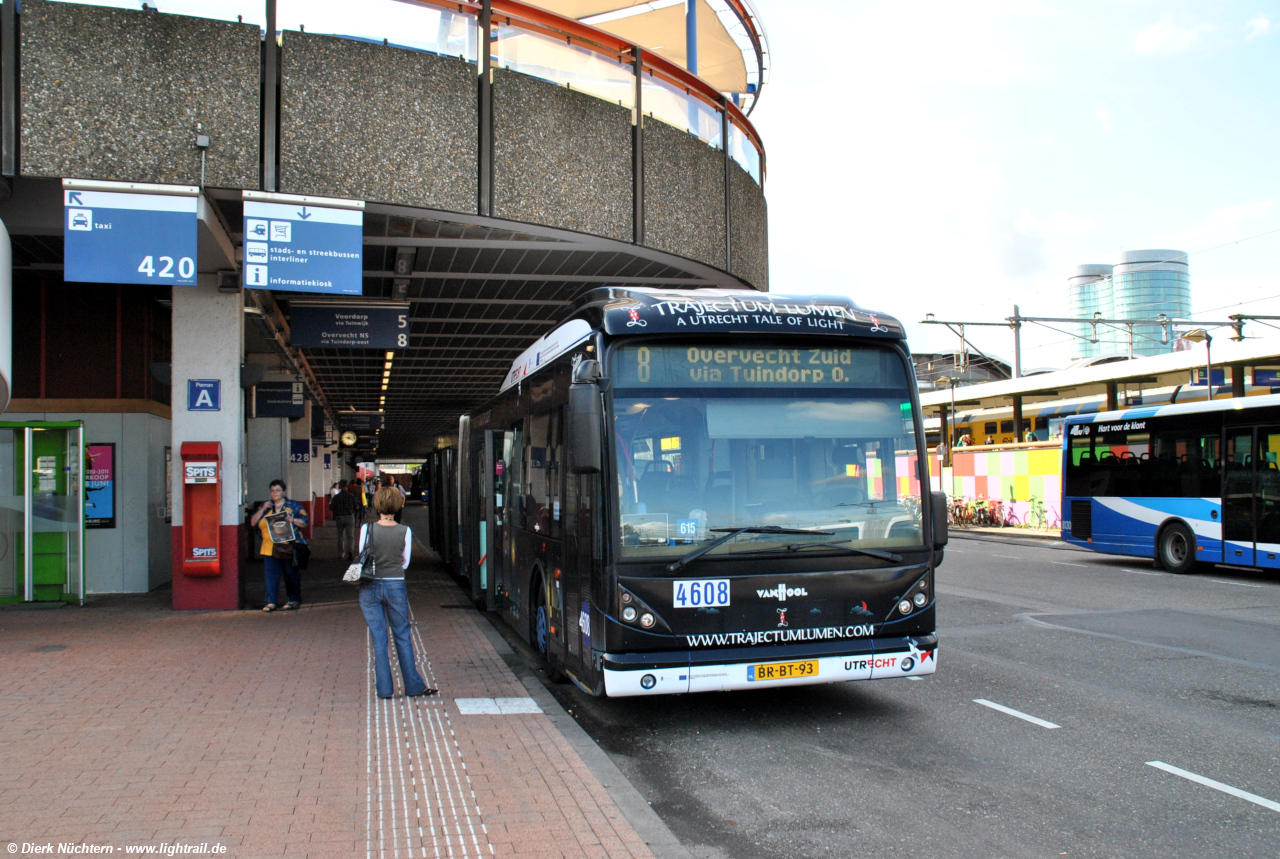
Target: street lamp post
1195, 335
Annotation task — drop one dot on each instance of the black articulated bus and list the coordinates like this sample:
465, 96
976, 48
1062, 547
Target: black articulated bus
706, 490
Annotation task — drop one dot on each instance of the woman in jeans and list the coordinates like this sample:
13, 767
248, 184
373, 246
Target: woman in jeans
277, 568
384, 601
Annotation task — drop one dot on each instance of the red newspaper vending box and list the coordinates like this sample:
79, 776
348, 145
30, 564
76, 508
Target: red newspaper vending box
201, 505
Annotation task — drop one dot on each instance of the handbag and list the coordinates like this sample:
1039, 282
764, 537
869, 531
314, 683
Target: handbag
365, 566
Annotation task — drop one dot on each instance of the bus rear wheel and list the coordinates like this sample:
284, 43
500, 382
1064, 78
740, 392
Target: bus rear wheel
1176, 549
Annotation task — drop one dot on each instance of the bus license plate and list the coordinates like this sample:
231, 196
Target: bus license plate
782, 670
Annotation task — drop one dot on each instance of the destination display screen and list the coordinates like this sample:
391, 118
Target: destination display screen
682, 365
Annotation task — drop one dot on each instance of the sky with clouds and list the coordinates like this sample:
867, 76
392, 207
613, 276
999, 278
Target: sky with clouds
958, 158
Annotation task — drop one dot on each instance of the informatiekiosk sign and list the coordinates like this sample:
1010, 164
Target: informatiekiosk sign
139, 235
292, 244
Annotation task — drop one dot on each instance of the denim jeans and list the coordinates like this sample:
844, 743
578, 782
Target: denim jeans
387, 603
274, 569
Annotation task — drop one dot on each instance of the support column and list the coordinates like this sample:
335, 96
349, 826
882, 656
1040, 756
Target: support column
1113, 397
299, 479
1238, 377
946, 434
208, 333
1017, 418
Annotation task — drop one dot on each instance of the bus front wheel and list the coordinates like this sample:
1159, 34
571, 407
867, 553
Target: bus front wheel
541, 632
1176, 549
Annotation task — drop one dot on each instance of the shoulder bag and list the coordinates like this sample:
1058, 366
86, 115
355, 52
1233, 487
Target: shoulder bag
365, 566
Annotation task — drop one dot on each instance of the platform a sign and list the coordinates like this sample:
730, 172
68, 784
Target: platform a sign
116, 237
297, 247
345, 326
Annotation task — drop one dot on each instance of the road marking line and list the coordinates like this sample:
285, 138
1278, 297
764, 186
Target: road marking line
1066, 564
1012, 557
1142, 572
1007, 710
1216, 785
1237, 584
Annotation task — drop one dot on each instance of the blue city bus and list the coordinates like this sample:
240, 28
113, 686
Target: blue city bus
1184, 485
704, 490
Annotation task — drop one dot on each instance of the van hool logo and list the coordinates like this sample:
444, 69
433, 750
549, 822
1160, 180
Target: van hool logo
781, 592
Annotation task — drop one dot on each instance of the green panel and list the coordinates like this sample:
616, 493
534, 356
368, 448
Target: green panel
49, 565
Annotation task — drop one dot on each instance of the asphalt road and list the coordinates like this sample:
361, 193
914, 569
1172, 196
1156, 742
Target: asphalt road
1132, 665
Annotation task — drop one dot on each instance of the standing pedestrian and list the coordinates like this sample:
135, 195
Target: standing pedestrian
357, 492
275, 568
343, 508
384, 599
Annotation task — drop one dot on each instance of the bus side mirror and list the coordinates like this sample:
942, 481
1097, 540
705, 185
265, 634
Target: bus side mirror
585, 423
939, 511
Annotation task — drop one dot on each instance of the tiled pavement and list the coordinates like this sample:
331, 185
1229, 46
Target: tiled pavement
125, 723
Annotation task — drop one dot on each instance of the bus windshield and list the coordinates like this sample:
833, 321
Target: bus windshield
763, 435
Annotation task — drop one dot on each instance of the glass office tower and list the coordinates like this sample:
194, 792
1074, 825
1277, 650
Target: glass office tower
1142, 285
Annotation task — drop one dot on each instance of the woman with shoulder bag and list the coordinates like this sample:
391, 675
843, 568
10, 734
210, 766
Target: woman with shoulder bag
278, 557
384, 599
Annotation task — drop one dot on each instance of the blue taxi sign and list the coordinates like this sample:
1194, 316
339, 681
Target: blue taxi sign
126, 237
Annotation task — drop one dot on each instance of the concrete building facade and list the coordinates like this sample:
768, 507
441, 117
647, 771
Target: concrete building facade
505, 156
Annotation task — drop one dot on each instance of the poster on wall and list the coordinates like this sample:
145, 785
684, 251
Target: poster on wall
100, 486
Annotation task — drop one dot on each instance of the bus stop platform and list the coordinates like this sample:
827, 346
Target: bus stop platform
241, 733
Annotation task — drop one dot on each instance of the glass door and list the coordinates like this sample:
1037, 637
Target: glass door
13, 580
1267, 469
1238, 514
41, 512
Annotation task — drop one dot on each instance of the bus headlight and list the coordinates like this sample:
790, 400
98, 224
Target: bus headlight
904, 606
920, 599
629, 614
647, 620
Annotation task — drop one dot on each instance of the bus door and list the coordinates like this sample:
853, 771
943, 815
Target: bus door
504, 452
486, 483
1267, 498
583, 565
1238, 509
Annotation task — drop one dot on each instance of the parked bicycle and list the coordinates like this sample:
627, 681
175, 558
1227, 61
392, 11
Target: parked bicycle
960, 512
1039, 517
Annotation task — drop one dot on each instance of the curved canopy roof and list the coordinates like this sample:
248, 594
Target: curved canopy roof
732, 53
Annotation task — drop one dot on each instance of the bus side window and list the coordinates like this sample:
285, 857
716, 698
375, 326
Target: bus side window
538, 474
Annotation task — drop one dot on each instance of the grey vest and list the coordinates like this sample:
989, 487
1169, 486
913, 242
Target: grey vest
386, 547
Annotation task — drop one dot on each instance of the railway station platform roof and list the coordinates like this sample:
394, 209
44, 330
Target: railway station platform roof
1159, 371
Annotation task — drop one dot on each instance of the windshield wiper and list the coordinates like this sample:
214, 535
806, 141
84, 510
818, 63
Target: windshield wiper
873, 553
729, 533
